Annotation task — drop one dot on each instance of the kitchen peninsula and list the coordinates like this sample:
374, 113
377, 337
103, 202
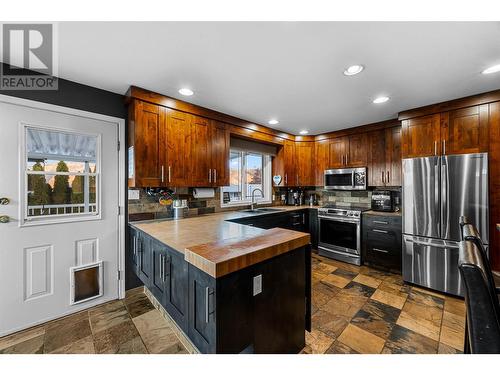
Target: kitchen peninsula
230, 287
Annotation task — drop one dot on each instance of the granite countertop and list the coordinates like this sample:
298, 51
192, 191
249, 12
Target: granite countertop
218, 246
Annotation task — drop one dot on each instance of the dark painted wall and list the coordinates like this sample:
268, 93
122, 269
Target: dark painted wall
87, 98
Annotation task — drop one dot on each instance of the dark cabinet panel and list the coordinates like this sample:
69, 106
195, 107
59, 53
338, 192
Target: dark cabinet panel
382, 241
176, 298
158, 280
144, 259
134, 249
202, 313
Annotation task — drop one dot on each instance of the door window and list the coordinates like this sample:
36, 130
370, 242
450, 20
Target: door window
61, 171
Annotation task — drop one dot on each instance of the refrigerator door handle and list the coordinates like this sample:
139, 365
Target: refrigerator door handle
437, 200
453, 246
445, 217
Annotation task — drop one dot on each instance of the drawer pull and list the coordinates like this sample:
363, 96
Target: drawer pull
380, 231
208, 293
380, 250
380, 222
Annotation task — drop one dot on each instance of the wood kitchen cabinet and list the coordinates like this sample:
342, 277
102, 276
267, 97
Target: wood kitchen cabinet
219, 153
304, 170
384, 160
146, 142
421, 136
176, 149
322, 161
349, 151
337, 152
284, 164
465, 130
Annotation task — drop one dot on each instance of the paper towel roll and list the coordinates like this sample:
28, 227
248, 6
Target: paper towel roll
203, 192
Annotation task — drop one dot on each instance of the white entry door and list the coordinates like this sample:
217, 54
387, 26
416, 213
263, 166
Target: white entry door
60, 229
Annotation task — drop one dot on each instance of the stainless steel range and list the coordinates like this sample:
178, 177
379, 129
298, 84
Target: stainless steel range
340, 233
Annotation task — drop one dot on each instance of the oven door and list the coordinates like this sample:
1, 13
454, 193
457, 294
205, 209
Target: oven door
340, 235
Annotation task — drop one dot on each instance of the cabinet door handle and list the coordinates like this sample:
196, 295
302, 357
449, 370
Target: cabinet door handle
388, 179
383, 178
286, 179
135, 245
210, 176
435, 148
215, 176
297, 177
346, 159
208, 293
380, 222
380, 250
444, 146
169, 173
380, 231
162, 173
162, 278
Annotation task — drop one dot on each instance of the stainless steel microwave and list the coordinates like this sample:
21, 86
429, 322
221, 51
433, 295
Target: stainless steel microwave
345, 179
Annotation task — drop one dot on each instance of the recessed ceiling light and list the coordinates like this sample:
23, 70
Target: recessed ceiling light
273, 122
381, 99
491, 69
186, 92
304, 132
353, 69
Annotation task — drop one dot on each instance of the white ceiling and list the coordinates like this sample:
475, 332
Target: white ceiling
291, 71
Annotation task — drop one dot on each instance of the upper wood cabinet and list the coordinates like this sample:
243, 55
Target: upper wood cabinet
146, 140
175, 148
421, 136
465, 130
384, 160
357, 153
304, 170
461, 131
294, 162
337, 152
322, 160
348, 151
219, 153
179, 132
199, 161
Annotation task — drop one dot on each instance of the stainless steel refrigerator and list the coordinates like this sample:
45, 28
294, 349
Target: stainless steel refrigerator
436, 192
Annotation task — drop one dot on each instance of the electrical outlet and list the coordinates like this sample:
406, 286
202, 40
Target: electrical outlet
257, 285
133, 194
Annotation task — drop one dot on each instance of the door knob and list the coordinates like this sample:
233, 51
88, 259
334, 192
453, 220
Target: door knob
4, 201
4, 219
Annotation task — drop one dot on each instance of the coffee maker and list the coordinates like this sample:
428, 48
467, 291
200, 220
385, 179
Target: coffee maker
294, 197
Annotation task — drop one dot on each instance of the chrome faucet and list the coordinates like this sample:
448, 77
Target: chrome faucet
253, 197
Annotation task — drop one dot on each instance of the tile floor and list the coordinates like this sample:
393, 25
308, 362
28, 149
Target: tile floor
131, 325
363, 310
355, 310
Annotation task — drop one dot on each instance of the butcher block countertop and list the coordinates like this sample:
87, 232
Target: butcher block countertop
219, 247
222, 257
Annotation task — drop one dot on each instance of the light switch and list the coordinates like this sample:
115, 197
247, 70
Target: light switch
257, 285
133, 194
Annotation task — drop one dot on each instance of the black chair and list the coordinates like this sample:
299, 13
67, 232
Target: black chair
481, 299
